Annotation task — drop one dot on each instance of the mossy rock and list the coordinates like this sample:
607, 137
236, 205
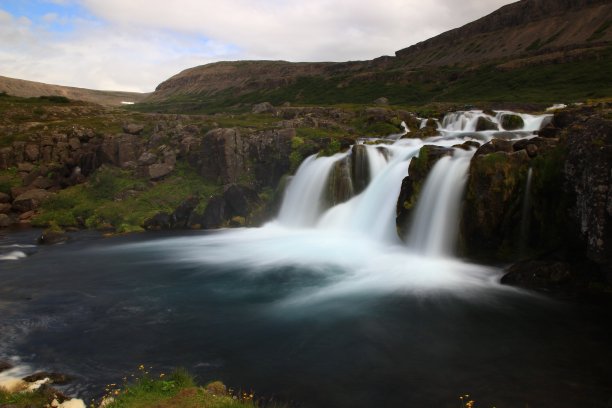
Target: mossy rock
485, 124
512, 122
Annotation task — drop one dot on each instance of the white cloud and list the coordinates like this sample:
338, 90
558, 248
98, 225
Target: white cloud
139, 43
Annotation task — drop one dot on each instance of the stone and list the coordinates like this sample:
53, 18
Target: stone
25, 167
5, 221
512, 122
381, 101
30, 200
215, 213
26, 216
5, 208
44, 183
159, 171
485, 124
4, 198
74, 143
133, 129
147, 158
32, 152
160, 221
50, 237
264, 107
536, 274
55, 378
181, 215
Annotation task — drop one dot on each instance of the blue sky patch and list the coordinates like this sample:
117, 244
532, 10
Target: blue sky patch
40, 11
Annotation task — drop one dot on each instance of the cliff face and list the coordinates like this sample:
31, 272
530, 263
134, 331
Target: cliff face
524, 28
526, 33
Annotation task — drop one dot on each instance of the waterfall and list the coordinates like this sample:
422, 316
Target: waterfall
525, 214
303, 201
376, 174
372, 212
436, 218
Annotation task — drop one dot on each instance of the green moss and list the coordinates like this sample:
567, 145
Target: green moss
118, 199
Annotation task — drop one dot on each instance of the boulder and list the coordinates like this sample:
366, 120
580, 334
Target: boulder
32, 152
159, 170
133, 129
264, 107
241, 200
147, 159
381, 101
52, 237
55, 378
536, 274
215, 213
5, 208
5, 221
485, 124
181, 215
4, 198
512, 122
25, 167
30, 200
160, 221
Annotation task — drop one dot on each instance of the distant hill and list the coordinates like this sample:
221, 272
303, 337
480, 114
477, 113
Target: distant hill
536, 50
27, 89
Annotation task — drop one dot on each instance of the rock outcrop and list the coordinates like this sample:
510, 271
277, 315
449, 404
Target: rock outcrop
412, 184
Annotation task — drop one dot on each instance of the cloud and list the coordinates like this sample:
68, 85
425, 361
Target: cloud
136, 44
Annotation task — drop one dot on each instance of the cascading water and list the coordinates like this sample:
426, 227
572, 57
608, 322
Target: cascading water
303, 202
372, 212
437, 213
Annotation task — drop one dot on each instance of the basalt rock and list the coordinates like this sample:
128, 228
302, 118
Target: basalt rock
339, 184
589, 177
30, 200
411, 186
50, 237
360, 169
236, 201
485, 124
55, 378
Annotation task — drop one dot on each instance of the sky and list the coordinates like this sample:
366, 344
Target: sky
133, 45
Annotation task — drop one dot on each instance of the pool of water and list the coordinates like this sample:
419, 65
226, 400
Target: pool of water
307, 317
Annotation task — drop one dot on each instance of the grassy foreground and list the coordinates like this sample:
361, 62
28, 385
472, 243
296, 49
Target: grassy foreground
144, 390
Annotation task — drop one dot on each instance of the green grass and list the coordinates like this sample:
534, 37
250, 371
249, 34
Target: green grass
116, 199
173, 391
570, 81
23, 399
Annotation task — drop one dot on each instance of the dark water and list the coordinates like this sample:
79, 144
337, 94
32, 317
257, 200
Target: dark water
98, 308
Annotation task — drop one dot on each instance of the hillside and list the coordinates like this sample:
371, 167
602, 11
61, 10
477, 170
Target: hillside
533, 50
29, 89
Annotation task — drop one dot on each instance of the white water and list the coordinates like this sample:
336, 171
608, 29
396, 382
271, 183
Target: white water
353, 248
436, 218
462, 123
303, 200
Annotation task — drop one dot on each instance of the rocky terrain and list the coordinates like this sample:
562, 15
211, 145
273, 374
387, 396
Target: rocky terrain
563, 239
503, 56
